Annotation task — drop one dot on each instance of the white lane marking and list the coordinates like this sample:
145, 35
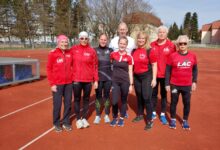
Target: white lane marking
11, 113
46, 132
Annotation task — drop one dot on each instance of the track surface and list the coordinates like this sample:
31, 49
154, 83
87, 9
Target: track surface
26, 116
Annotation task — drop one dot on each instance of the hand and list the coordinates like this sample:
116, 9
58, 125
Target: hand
130, 88
193, 86
167, 88
153, 83
54, 88
95, 85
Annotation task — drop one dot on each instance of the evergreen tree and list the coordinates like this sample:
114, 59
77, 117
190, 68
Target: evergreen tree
187, 24
181, 30
194, 27
173, 32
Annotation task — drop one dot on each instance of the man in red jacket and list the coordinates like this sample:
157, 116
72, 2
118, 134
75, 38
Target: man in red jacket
163, 47
59, 73
85, 72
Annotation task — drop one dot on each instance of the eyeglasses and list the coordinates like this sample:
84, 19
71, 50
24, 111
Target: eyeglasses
83, 39
184, 43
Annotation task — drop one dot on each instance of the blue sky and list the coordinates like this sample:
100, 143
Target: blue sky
170, 11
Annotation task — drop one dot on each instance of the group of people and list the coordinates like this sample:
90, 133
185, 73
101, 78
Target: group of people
123, 66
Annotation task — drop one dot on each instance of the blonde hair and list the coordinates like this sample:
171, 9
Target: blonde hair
123, 37
142, 33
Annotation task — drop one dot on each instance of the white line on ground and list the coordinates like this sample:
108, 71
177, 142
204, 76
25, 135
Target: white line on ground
46, 132
11, 113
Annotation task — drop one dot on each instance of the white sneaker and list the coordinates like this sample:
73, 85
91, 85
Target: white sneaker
85, 123
106, 118
79, 124
97, 120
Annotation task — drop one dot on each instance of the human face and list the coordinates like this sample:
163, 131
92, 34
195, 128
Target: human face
83, 40
141, 41
122, 44
162, 34
103, 41
183, 45
122, 30
63, 44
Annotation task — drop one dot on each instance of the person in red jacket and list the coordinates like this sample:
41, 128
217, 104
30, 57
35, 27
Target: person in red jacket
59, 74
181, 78
85, 72
163, 47
145, 72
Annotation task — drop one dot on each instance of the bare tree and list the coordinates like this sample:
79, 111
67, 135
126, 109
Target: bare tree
109, 13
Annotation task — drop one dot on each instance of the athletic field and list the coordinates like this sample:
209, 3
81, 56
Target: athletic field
26, 116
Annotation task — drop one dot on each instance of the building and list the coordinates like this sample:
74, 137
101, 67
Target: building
211, 33
142, 21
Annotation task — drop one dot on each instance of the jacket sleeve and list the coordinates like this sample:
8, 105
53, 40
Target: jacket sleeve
95, 64
50, 69
167, 75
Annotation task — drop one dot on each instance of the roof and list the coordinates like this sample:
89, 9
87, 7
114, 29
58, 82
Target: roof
210, 26
142, 18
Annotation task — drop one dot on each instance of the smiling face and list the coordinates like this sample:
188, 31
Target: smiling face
103, 40
142, 40
83, 40
63, 44
122, 44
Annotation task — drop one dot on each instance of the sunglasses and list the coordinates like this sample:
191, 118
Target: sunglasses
182, 43
83, 39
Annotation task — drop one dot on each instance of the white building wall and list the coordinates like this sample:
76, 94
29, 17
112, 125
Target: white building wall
206, 37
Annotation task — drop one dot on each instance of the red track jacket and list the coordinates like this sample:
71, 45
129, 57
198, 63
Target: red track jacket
59, 67
163, 53
85, 64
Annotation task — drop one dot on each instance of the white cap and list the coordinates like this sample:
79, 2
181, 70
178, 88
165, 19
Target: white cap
83, 34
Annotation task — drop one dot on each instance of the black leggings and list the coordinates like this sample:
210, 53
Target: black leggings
186, 96
78, 87
163, 95
143, 90
119, 90
103, 87
65, 91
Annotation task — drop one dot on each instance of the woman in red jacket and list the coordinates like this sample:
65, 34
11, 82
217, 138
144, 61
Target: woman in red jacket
59, 73
145, 72
85, 72
181, 78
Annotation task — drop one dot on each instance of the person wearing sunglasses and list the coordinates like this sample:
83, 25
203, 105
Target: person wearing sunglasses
85, 73
59, 74
105, 77
163, 47
181, 78
122, 80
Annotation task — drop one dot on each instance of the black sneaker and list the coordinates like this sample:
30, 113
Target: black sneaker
58, 128
67, 127
138, 118
149, 125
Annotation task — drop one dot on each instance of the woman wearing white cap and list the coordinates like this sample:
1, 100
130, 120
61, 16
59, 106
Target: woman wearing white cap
85, 72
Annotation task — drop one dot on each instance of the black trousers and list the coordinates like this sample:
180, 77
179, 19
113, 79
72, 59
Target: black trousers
185, 91
163, 94
104, 88
143, 90
63, 91
78, 87
119, 91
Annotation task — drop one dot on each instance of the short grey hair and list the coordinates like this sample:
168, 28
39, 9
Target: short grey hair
182, 37
162, 28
